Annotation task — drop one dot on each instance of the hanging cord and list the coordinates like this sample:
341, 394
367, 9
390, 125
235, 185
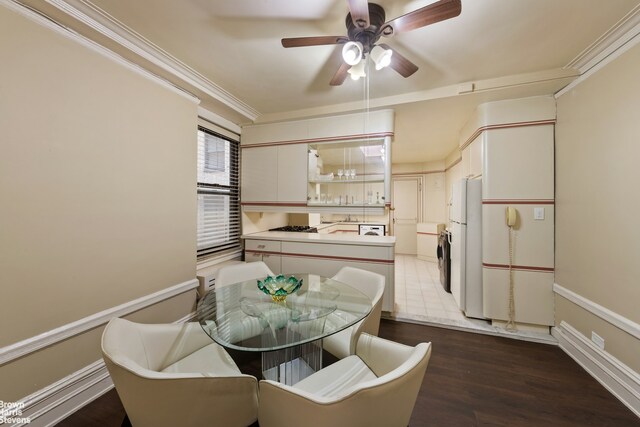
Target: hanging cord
511, 324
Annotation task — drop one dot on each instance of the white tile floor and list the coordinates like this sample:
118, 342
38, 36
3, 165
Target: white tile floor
419, 292
421, 298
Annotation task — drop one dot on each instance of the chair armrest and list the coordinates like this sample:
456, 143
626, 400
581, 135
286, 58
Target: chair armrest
382, 356
155, 400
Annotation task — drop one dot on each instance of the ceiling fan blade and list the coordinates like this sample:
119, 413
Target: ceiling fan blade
340, 75
359, 13
313, 41
401, 64
435, 12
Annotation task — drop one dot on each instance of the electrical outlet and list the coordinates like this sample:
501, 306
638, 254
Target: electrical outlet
597, 340
538, 213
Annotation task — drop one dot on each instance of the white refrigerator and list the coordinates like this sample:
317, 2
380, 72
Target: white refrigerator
466, 246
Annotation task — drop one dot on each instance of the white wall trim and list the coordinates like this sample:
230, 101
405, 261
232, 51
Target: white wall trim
611, 40
219, 120
53, 403
105, 24
45, 339
48, 406
47, 22
627, 325
607, 54
614, 375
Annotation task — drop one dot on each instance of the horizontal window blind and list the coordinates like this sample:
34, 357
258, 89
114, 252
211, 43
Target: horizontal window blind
218, 193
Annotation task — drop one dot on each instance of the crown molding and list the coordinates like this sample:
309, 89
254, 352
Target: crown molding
46, 21
561, 76
100, 21
617, 36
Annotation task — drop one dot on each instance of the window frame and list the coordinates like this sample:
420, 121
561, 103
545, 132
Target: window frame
232, 191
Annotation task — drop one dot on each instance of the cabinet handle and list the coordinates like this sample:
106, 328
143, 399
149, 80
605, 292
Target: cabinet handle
266, 256
261, 246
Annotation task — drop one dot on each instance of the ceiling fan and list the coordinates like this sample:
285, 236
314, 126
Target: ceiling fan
365, 25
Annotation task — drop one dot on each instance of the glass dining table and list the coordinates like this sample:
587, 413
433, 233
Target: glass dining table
288, 332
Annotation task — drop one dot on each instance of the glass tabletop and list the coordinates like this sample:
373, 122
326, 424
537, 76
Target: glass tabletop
242, 317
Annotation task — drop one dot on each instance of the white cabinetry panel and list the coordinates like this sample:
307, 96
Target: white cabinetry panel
292, 173
258, 182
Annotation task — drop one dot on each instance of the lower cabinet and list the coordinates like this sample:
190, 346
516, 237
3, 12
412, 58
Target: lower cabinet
267, 251
325, 259
427, 235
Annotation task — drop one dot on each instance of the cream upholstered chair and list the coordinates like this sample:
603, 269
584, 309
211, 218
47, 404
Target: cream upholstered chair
377, 387
241, 272
235, 273
343, 343
174, 375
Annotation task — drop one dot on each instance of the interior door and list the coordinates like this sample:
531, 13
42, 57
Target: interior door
406, 201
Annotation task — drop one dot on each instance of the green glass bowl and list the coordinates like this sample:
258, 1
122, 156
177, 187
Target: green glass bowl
279, 287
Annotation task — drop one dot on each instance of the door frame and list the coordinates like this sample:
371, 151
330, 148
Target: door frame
392, 209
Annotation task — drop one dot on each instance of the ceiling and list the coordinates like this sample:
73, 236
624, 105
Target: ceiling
507, 48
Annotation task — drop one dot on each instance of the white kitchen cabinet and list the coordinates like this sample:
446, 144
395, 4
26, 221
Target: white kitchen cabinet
354, 174
471, 162
475, 157
327, 259
428, 234
292, 173
274, 174
267, 251
259, 182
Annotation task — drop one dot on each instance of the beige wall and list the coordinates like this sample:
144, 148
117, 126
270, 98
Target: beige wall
597, 204
97, 182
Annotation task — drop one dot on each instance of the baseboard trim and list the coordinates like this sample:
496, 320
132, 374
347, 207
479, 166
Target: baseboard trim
615, 376
50, 405
57, 401
46, 339
596, 309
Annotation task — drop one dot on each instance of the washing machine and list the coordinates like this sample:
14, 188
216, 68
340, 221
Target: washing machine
371, 229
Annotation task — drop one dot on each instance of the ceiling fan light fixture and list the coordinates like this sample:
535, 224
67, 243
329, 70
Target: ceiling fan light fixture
352, 52
381, 56
357, 71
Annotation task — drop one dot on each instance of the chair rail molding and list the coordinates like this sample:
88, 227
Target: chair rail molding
53, 336
627, 325
621, 381
53, 403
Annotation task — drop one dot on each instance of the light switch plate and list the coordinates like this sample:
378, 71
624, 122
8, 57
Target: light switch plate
538, 213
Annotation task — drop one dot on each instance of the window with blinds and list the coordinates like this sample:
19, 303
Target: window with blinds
218, 194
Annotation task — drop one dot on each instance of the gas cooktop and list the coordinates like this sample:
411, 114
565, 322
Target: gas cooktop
296, 228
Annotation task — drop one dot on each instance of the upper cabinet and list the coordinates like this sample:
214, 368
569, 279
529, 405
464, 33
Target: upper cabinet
274, 175
472, 158
348, 174
328, 164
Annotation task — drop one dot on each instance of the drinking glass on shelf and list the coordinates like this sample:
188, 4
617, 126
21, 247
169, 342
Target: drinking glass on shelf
353, 174
340, 173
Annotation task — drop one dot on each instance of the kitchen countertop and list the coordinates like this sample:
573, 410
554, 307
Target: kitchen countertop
343, 239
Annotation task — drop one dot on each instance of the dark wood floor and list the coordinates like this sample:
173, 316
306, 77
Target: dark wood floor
472, 380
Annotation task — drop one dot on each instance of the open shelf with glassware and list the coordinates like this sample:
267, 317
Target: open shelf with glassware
348, 175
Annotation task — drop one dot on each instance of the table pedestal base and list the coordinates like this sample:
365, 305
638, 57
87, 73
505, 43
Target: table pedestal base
290, 365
